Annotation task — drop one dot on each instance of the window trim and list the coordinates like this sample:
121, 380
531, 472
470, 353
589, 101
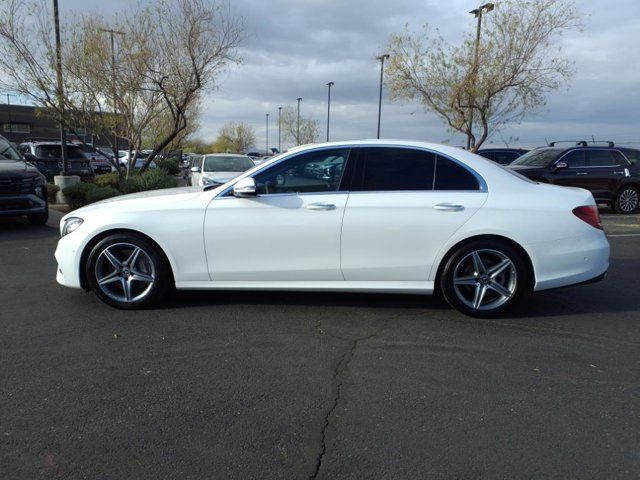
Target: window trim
586, 151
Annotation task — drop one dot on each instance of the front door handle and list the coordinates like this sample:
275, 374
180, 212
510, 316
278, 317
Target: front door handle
449, 207
321, 206
581, 173
619, 173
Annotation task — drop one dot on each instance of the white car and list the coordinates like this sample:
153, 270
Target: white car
218, 168
398, 217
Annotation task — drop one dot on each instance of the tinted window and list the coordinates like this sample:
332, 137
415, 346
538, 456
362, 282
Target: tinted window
542, 157
7, 152
386, 169
319, 171
602, 158
632, 155
452, 176
501, 157
55, 152
575, 159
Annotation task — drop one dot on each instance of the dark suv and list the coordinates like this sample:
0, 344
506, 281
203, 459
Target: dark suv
503, 156
22, 187
47, 157
611, 173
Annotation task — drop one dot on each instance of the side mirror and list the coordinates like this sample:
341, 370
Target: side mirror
195, 169
245, 188
561, 166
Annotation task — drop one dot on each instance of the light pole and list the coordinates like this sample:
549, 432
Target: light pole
9, 116
298, 130
381, 58
60, 90
279, 123
267, 142
330, 84
111, 33
487, 7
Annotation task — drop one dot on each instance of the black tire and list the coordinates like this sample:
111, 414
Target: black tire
38, 218
627, 200
150, 263
469, 283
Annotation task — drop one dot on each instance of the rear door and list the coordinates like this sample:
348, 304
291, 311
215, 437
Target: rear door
403, 206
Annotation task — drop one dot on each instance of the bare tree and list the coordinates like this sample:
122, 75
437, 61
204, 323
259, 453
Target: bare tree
309, 128
518, 66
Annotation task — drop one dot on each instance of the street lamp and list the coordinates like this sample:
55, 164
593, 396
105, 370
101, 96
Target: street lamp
60, 89
330, 84
9, 116
279, 123
111, 33
298, 130
267, 142
487, 7
381, 58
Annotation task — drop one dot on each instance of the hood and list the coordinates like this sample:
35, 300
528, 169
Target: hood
221, 177
17, 168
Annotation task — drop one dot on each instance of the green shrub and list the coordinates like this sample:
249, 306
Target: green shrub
130, 185
76, 195
155, 179
101, 193
107, 180
170, 166
52, 189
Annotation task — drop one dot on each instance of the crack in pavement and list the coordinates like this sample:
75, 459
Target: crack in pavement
336, 381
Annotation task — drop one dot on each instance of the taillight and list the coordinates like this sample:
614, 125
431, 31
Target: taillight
589, 214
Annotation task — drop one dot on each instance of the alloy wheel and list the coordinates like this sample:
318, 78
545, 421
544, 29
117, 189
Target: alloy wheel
125, 272
628, 200
485, 279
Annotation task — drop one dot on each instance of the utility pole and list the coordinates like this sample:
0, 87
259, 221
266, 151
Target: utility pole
279, 123
330, 84
111, 33
381, 58
60, 89
267, 137
298, 130
10, 133
487, 7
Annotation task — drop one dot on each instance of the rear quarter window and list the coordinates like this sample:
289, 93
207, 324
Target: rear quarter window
452, 176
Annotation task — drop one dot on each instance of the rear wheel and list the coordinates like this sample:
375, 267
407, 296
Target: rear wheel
128, 271
484, 278
627, 200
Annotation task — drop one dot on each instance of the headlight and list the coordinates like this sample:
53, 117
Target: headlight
70, 224
205, 181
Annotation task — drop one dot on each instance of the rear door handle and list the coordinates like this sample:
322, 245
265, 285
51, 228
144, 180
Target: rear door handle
449, 207
321, 206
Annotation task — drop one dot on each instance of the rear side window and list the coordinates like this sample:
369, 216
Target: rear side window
602, 158
55, 152
452, 176
388, 169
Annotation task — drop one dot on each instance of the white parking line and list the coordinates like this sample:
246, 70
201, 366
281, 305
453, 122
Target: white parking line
625, 235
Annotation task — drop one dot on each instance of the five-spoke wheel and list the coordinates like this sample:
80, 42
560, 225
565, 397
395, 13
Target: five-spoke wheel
127, 271
483, 278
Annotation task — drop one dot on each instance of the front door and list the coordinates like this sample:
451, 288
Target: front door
289, 231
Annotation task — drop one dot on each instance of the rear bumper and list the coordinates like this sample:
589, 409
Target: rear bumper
570, 261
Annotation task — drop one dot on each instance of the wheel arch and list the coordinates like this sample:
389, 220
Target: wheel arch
104, 234
531, 276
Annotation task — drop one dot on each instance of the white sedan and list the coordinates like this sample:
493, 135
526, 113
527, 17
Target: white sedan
396, 217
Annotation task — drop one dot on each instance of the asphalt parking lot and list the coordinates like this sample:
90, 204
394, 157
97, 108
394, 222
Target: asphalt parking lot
299, 385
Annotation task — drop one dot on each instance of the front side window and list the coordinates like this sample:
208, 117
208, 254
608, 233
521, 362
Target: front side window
388, 169
316, 171
227, 164
575, 159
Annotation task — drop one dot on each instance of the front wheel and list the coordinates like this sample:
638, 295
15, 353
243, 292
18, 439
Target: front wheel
128, 271
484, 278
627, 200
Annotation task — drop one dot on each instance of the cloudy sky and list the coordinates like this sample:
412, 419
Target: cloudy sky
294, 47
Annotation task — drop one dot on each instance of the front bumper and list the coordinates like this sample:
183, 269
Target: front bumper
15, 205
67, 255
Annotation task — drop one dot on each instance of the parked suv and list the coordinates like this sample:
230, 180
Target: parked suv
611, 173
503, 156
22, 187
47, 157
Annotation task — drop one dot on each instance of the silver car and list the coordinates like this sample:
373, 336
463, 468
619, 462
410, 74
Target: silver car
218, 168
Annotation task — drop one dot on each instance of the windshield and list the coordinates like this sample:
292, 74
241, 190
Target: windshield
227, 164
541, 157
7, 152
